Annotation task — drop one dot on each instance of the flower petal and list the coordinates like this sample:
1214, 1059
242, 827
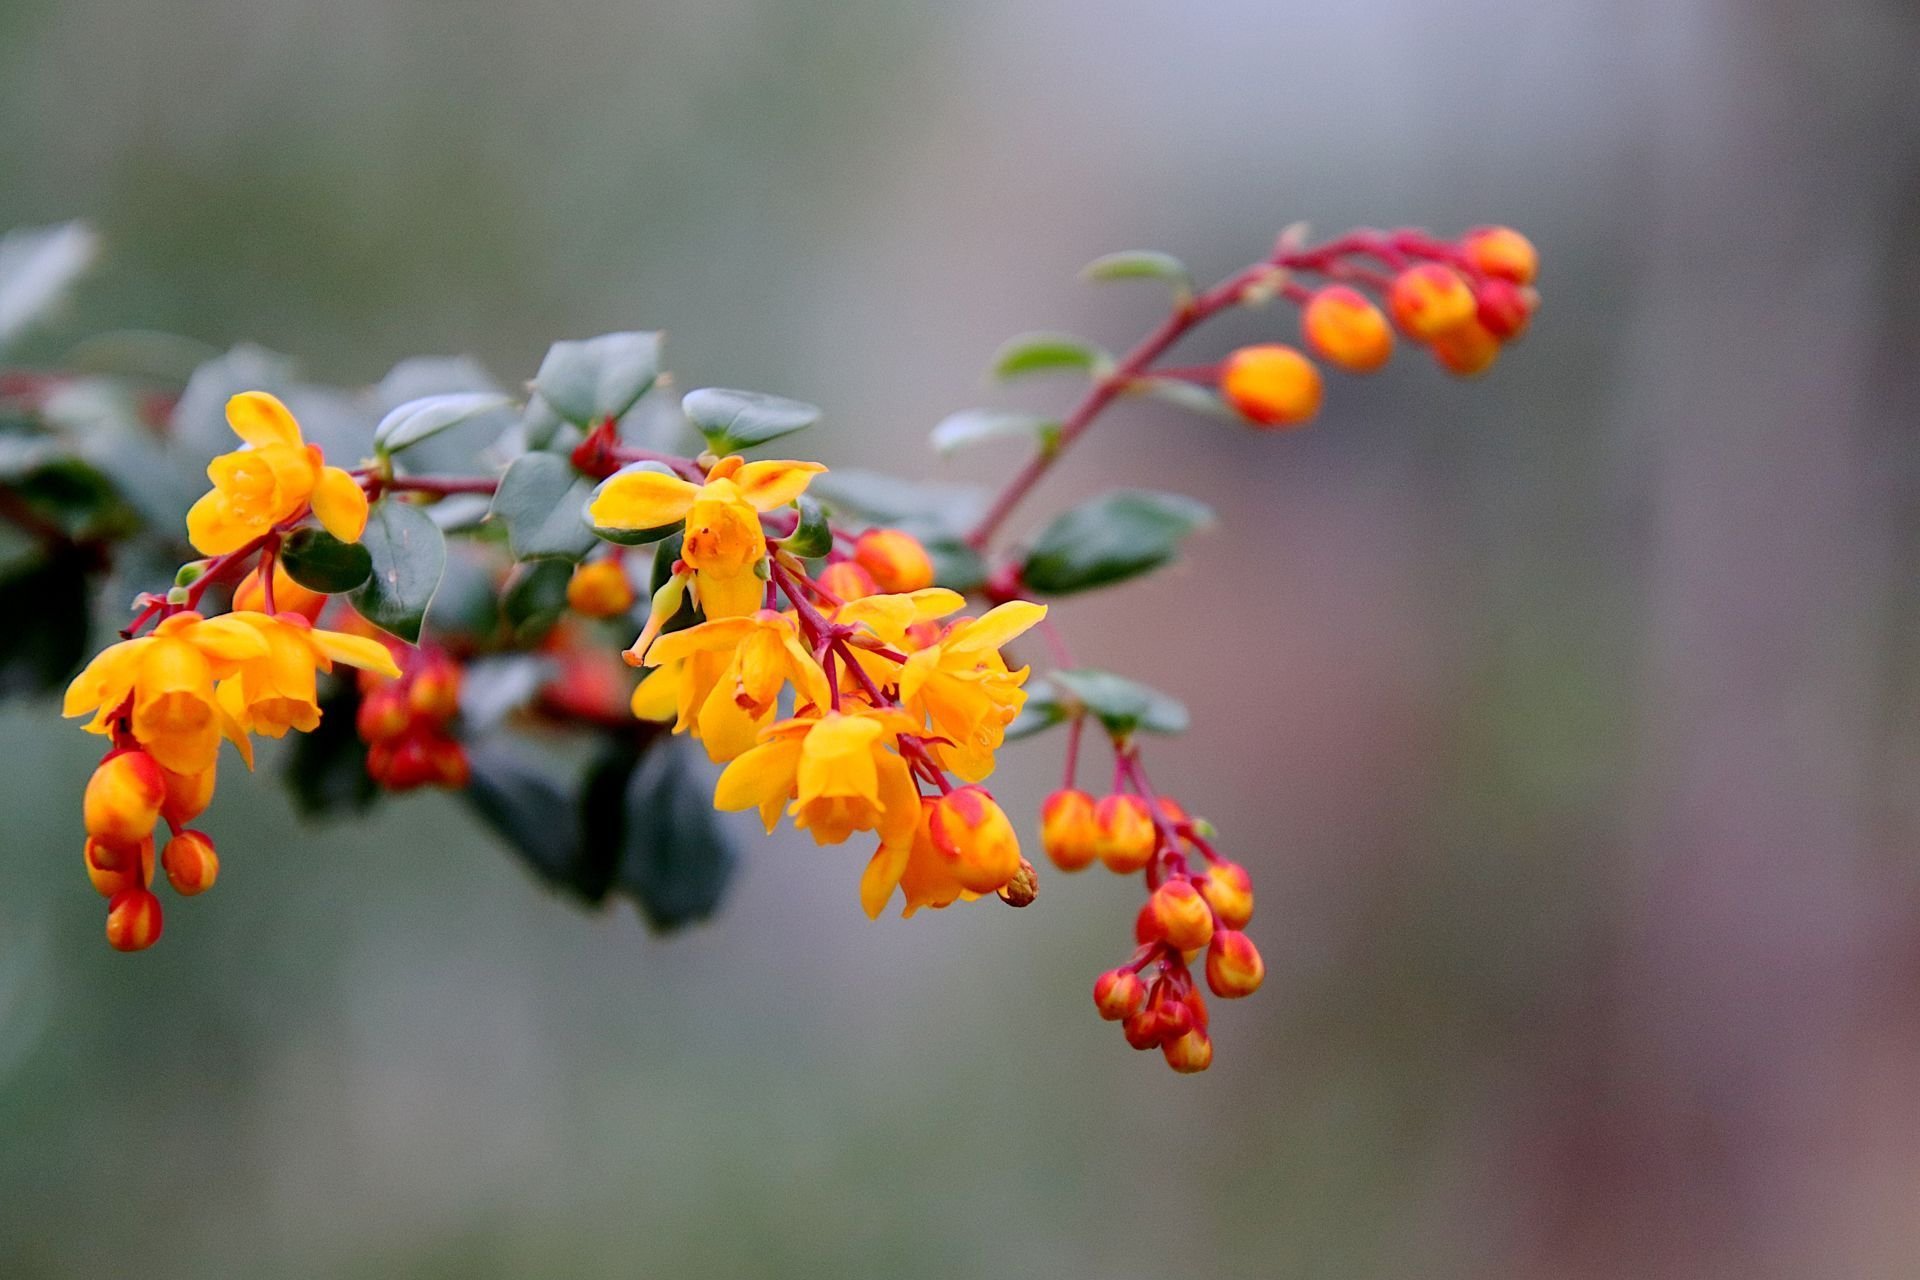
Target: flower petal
355, 651
260, 419
773, 484
642, 500
214, 530
762, 774
341, 504
995, 627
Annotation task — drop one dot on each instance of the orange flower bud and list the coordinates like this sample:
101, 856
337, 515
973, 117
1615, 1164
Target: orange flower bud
1271, 385
188, 794
1142, 1029
133, 920
896, 560
451, 768
974, 834
1345, 329
1428, 300
434, 691
110, 866
600, 589
1228, 889
1190, 1053
191, 864
1502, 252
383, 714
1183, 916
1067, 829
1124, 834
1234, 965
846, 581
288, 595
1119, 994
1504, 308
1466, 350
1166, 1004
123, 798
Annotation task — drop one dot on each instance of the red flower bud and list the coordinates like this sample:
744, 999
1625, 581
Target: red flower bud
1189, 1053
1229, 891
1502, 252
896, 560
1271, 385
1068, 831
1183, 916
1125, 836
123, 797
1119, 994
133, 920
1234, 966
1428, 300
1346, 330
190, 862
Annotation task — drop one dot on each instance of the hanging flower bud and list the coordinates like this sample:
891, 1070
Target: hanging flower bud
896, 560
1467, 349
600, 589
433, 690
1234, 965
111, 867
383, 714
1271, 385
190, 862
188, 795
1190, 1053
133, 920
1428, 300
123, 797
1229, 891
1504, 308
1125, 836
1503, 253
1346, 330
846, 581
1068, 831
1119, 994
1183, 917
976, 838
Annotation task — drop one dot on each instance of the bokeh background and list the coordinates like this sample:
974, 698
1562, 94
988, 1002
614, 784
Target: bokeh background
1567, 719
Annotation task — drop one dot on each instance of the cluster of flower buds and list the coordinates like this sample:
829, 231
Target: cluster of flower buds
1462, 300
407, 723
126, 799
1186, 914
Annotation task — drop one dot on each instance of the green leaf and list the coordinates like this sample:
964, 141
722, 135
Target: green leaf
543, 501
1122, 705
631, 537
408, 553
736, 420
326, 770
37, 267
535, 597
812, 536
46, 641
321, 562
536, 813
1190, 396
70, 494
972, 426
1047, 353
674, 860
416, 420
1111, 538
586, 382
1141, 264
467, 605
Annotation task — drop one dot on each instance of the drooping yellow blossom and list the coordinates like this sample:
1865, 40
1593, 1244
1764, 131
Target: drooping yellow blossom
965, 847
963, 687
839, 769
724, 544
276, 690
270, 481
731, 674
166, 679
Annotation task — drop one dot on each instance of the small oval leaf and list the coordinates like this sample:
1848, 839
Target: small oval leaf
812, 536
408, 554
1122, 705
1110, 538
736, 420
543, 501
973, 426
416, 420
1141, 264
1048, 353
321, 562
599, 378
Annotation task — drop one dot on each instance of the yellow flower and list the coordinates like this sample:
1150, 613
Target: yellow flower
271, 481
731, 674
276, 691
893, 621
962, 686
724, 545
839, 771
166, 681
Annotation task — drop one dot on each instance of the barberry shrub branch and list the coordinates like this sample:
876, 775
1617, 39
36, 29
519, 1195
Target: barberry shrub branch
429, 582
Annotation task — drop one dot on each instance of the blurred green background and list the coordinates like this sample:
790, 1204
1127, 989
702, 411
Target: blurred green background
1566, 719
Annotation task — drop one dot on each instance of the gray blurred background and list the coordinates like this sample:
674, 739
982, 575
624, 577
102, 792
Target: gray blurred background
1566, 719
